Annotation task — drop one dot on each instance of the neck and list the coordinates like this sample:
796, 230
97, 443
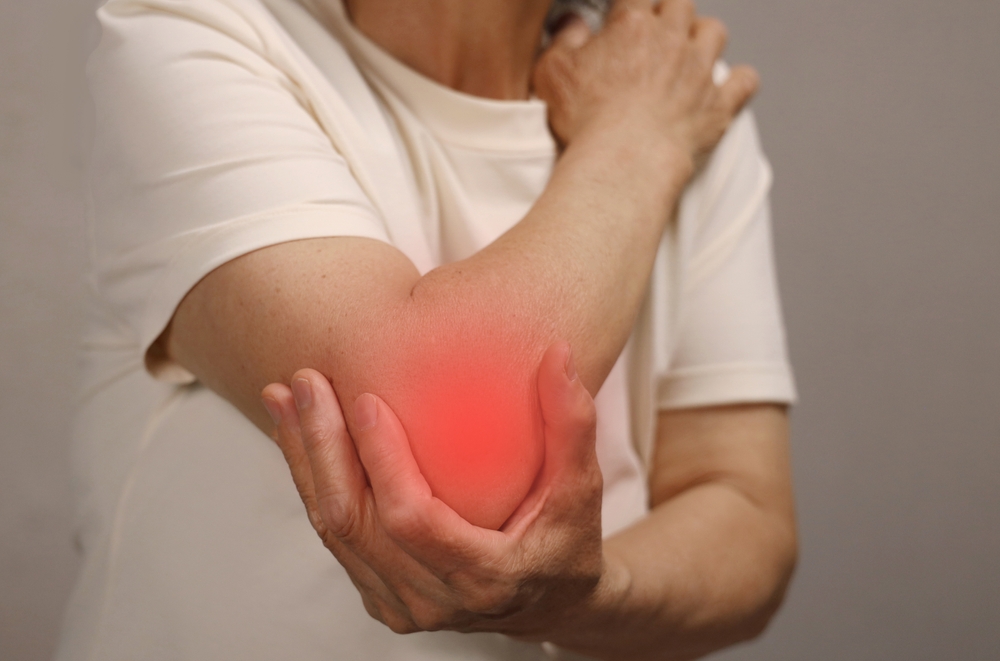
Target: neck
481, 47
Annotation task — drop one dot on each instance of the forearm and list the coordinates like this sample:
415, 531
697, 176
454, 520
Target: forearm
577, 266
709, 565
704, 570
574, 268
455, 352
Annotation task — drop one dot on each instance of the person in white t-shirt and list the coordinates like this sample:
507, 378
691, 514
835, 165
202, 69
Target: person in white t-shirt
518, 315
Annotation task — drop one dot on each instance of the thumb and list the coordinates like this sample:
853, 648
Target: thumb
568, 412
571, 32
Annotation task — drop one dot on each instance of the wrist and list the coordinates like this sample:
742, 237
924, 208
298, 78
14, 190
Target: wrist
642, 158
584, 626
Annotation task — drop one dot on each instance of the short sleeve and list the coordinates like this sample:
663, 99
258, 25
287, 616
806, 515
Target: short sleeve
204, 150
729, 345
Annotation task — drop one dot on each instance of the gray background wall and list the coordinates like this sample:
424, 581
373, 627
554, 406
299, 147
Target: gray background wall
880, 120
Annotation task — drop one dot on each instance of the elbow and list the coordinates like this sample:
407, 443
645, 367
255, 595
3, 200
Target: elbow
469, 406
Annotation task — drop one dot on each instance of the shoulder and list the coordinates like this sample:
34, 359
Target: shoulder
162, 52
255, 35
233, 18
156, 49
726, 197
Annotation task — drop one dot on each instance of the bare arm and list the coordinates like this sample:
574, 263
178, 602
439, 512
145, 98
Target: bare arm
454, 352
709, 566
473, 332
357, 309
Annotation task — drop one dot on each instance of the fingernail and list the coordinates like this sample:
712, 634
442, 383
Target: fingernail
273, 410
302, 391
570, 366
365, 412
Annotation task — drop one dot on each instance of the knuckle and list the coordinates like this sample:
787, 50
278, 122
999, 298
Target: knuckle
400, 624
404, 522
395, 618
372, 610
494, 602
632, 19
344, 520
432, 618
723, 31
318, 524
716, 27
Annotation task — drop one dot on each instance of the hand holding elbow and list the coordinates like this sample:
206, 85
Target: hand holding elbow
475, 430
374, 510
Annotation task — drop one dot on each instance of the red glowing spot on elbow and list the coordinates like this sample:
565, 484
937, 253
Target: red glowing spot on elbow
475, 431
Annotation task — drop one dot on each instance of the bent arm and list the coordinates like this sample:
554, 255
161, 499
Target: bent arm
453, 352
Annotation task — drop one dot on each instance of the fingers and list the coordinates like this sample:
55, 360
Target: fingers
677, 15
570, 517
406, 506
553, 74
380, 602
332, 484
338, 476
331, 479
573, 33
625, 6
739, 88
710, 37
277, 398
385, 452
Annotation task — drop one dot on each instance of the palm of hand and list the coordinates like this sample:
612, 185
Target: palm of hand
418, 565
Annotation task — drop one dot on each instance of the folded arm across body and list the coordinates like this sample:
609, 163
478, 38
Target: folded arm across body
455, 352
470, 351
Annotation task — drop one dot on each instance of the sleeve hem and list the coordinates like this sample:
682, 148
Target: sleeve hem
214, 246
727, 384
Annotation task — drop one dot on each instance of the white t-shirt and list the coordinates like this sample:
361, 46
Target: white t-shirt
224, 126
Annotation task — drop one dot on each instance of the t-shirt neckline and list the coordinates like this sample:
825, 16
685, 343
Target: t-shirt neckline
454, 117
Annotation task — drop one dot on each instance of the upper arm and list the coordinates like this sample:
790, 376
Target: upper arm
729, 341
723, 417
463, 389
233, 244
203, 152
333, 304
